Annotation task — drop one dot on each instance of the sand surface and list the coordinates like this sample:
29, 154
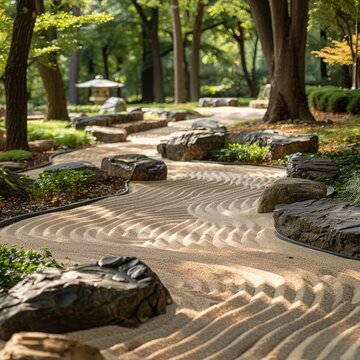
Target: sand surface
239, 292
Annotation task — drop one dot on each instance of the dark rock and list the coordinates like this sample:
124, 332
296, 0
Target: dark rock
43, 346
143, 125
135, 167
218, 101
87, 296
208, 125
113, 105
11, 165
107, 134
14, 185
94, 173
306, 167
327, 224
41, 145
176, 115
194, 145
161, 148
83, 121
281, 143
288, 191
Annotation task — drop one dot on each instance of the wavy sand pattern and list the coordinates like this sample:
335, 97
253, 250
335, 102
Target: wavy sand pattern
239, 292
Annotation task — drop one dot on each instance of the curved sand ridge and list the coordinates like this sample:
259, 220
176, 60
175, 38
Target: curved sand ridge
239, 292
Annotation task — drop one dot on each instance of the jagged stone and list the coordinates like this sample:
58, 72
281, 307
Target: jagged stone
289, 190
135, 167
281, 143
118, 290
94, 173
176, 115
218, 101
306, 167
107, 120
14, 185
107, 134
194, 145
43, 346
328, 224
208, 125
113, 105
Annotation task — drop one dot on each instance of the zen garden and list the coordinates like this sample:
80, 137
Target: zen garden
179, 179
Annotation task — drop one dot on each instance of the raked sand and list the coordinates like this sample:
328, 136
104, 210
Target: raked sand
239, 292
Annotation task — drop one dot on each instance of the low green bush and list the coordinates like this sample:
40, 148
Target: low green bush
354, 104
59, 182
315, 95
17, 263
338, 102
241, 152
15, 155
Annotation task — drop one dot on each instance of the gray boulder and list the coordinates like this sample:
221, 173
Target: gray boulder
107, 134
218, 101
42, 145
94, 173
193, 145
113, 291
288, 191
176, 115
113, 105
328, 224
14, 185
306, 167
43, 346
208, 125
135, 167
281, 143
83, 121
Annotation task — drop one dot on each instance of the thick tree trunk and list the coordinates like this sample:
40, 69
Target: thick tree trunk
179, 68
55, 91
147, 73
287, 58
105, 58
158, 83
195, 53
15, 76
323, 65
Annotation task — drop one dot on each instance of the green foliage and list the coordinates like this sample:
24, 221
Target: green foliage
15, 155
82, 108
338, 102
316, 94
59, 182
354, 104
242, 152
15, 264
5, 26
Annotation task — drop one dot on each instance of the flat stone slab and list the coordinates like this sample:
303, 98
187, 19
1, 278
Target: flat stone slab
143, 125
135, 167
107, 120
41, 145
43, 346
288, 191
306, 167
11, 165
95, 173
218, 101
281, 143
107, 134
328, 224
191, 145
118, 290
208, 125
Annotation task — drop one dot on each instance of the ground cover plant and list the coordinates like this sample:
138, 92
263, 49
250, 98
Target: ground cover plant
15, 155
17, 263
253, 154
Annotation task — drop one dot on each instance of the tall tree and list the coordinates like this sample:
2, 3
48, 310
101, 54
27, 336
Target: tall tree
282, 29
179, 66
15, 75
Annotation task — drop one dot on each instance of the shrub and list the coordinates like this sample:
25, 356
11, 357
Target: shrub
338, 102
241, 152
15, 155
354, 104
323, 100
315, 94
15, 264
59, 182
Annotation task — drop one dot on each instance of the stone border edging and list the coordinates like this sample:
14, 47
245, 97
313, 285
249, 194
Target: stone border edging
74, 205
295, 242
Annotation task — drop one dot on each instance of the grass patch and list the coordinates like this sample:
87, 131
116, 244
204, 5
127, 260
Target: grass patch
17, 263
254, 153
15, 155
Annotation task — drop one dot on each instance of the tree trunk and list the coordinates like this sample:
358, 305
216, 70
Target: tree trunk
74, 69
195, 53
287, 58
323, 65
105, 56
55, 91
179, 69
15, 76
158, 81
147, 73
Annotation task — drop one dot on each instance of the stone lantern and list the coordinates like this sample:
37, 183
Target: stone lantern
100, 89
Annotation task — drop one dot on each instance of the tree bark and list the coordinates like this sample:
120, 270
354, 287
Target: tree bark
284, 50
55, 91
147, 74
179, 68
195, 53
15, 76
74, 69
